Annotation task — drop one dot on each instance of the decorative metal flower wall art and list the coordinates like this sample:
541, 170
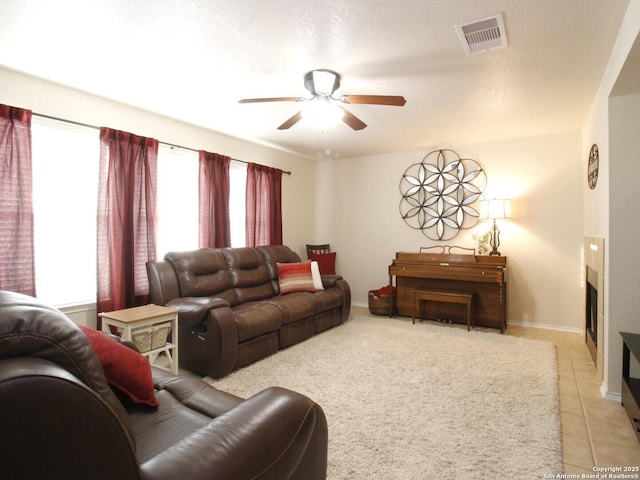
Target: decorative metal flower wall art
438, 194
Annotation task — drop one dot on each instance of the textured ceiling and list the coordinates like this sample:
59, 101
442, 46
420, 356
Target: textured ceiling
194, 59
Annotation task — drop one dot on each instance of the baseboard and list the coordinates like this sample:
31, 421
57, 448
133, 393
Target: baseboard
612, 396
546, 326
543, 326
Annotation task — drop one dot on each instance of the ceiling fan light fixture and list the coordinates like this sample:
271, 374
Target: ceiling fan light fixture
322, 112
322, 107
322, 82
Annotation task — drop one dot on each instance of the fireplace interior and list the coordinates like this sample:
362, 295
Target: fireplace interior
591, 311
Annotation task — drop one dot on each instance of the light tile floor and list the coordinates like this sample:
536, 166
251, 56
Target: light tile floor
595, 432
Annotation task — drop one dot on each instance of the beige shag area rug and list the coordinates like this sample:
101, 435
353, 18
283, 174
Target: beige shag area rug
423, 401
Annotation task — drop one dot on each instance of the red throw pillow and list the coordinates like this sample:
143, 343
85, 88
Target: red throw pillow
125, 369
295, 277
326, 262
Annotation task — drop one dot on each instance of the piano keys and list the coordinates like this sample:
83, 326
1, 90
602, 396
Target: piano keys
486, 276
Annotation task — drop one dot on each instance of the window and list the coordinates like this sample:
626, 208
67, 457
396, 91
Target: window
237, 202
65, 179
177, 200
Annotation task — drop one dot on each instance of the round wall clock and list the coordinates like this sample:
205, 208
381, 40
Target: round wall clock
592, 166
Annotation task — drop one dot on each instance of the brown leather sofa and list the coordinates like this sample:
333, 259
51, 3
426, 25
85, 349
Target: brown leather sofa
231, 310
61, 420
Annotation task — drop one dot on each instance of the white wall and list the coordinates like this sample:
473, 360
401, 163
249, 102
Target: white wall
358, 214
607, 212
624, 228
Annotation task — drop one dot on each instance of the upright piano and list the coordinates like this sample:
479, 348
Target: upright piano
486, 276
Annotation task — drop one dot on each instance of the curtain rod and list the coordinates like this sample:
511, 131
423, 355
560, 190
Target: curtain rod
163, 143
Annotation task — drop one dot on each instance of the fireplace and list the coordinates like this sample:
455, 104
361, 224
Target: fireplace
594, 300
591, 312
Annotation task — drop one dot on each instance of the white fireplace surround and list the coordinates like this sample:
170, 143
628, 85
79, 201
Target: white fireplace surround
594, 259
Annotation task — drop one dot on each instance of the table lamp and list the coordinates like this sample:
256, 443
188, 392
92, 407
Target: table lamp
495, 209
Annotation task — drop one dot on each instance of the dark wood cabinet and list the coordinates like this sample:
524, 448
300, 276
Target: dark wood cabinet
631, 384
486, 276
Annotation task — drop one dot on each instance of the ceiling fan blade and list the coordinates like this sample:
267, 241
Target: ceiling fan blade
291, 122
392, 100
353, 121
274, 99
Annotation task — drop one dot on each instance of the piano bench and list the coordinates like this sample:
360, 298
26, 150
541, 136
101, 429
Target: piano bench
444, 296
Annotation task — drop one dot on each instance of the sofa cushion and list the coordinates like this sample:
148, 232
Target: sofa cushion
295, 306
126, 370
249, 274
256, 318
201, 272
328, 299
295, 277
159, 430
326, 262
272, 255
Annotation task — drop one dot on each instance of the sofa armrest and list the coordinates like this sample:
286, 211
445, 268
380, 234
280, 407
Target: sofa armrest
275, 435
54, 426
329, 281
195, 393
336, 281
343, 285
193, 310
208, 339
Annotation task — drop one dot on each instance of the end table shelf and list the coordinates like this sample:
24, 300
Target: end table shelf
130, 320
631, 384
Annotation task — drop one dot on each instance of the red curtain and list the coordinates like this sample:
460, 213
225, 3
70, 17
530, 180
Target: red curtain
126, 218
17, 271
215, 227
264, 205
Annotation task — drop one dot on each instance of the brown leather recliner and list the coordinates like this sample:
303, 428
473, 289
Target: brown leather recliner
61, 420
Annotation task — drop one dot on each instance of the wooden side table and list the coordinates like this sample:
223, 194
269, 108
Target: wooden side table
131, 319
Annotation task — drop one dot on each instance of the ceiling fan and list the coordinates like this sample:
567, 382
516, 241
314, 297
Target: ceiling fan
322, 84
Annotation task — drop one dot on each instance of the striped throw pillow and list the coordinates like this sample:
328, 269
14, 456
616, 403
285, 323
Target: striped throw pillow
295, 277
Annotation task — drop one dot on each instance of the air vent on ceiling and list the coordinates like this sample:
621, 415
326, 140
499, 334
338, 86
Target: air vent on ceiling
483, 34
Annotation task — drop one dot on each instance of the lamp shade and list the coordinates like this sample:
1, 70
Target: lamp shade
495, 209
